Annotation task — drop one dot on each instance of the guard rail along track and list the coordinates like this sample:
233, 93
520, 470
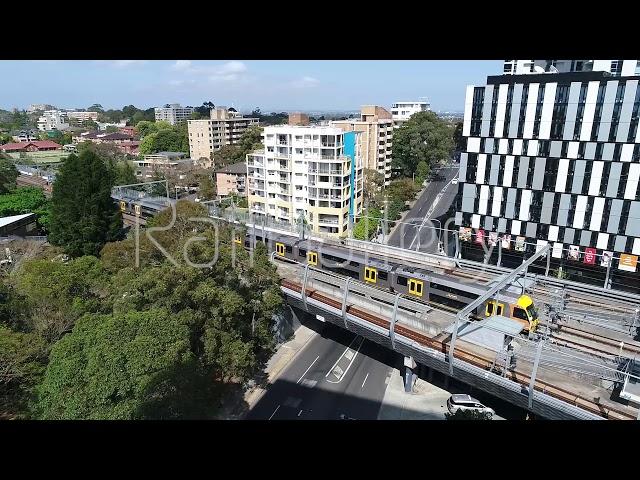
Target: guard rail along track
546, 399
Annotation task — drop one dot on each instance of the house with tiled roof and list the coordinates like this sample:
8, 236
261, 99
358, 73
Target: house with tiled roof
30, 146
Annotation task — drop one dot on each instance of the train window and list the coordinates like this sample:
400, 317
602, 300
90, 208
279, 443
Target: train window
370, 274
402, 281
302, 252
123, 206
280, 249
312, 258
415, 287
289, 249
520, 313
500, 308
354, 264
382, 275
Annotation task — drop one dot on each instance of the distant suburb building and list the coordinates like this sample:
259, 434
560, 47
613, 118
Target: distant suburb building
83, 116
32, 146
232, 179
53, 120
313, 172
402, 111
125, 143
225, 127
173, 113
376, 125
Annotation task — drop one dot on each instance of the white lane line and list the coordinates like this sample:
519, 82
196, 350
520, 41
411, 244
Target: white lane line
365, 380
430, 212
300, 413
305, 372
344, 374
340, 357
274, 412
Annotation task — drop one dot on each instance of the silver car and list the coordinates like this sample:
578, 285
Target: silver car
462, 401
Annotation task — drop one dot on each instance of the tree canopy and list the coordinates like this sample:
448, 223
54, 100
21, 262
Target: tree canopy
422, 138
26, 200
83, 215
8, 174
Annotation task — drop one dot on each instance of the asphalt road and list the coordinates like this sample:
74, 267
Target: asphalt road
405, 236
337, 374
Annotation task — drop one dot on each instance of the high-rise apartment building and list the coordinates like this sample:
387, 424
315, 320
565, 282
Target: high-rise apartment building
376, 126
313, 172
225, 127
173, 113
554, 158
53, 120
623, 68
402, 111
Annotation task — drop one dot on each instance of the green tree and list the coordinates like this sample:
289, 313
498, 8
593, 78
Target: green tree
83, 215
367, 225
373, 183
422, 172
107, 366
26, 200
403, 189
96, 107
424, 137
226, 155
23, 359
111, 129
8, 174
250, 140
146, 128
207, 187
459, 142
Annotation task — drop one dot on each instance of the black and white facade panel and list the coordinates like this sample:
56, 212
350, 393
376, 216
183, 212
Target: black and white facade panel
554, 158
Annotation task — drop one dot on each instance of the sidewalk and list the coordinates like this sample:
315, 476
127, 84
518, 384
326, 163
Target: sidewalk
427, 402
281, 359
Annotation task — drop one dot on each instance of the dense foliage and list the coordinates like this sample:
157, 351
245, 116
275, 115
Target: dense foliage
8, 174
423, 138
83, 215
163, 137
98, 337
250, 141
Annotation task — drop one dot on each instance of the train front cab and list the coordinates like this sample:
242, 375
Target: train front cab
523, 310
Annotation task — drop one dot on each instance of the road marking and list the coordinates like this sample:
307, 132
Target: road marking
305, 372
350, 363
274, 412
365, 379
340, 357
430, 212
300, 412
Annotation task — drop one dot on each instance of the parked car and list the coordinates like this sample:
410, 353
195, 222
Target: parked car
461, 401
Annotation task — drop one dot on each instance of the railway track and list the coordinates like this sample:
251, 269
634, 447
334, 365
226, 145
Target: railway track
467, 356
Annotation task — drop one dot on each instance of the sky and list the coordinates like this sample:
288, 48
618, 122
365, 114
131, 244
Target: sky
269, 84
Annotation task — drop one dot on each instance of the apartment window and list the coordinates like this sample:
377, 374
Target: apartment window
635, 113
598, 113
538, 114
476, 111
508, 68
523, 109
507, 114
580, 111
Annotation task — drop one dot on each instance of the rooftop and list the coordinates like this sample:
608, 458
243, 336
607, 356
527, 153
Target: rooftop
236, 168
4, 221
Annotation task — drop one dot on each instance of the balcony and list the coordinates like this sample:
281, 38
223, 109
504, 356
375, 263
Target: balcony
329, 221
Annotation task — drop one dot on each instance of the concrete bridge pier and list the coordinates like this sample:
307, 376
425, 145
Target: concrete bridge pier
409, 374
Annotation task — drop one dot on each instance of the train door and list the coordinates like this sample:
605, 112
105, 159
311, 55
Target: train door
416, 287
493, 307
312, 258
371, 274
280, 249
137, 210
123, 206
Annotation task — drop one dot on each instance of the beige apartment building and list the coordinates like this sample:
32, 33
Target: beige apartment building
225, 127
232, 179
376, 125
307, 171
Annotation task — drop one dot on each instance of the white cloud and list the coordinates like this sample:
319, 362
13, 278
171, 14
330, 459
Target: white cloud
225, 72
181, 65
305, 82
126, 63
